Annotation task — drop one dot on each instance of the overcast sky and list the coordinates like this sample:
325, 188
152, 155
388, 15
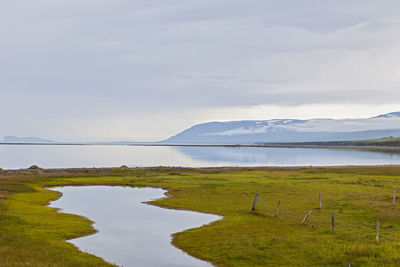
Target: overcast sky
146, 69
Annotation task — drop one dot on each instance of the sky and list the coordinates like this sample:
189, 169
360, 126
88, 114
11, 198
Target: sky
143, 70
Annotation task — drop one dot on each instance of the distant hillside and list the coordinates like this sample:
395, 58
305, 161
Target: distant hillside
290, 130
16, 139
384, 142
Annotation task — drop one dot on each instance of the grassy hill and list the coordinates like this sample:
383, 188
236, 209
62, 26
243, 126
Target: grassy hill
383, 142
388, 141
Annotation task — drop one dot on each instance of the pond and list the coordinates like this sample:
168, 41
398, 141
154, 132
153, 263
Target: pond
130, 232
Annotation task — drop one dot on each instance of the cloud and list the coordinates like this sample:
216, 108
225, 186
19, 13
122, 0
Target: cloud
95, 60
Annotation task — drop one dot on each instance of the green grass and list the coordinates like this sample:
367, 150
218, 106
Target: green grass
392, 142
32, 234
388, 141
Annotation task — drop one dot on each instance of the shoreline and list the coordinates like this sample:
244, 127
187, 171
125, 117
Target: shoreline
280, 145
93, 171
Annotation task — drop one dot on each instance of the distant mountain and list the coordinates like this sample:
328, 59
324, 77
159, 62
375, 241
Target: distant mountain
16, 139
290, 130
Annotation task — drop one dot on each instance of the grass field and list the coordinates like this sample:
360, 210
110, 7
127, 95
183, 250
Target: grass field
32, 234
386, 143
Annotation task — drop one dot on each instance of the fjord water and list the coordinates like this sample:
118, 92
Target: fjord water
54, 156
130, 232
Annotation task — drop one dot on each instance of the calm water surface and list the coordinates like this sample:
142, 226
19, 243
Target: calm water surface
131, 233
50, 156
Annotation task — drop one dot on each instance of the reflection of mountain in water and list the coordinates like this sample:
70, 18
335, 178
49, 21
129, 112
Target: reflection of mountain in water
288, 156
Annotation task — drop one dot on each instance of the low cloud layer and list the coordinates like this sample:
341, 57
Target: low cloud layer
77, 63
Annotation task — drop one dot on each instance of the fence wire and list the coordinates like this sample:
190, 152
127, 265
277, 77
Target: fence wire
342, 222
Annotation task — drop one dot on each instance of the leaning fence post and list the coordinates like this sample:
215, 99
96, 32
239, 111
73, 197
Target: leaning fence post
320, 200
305, 218
333, 222
377, 231
277, 208
394, 197
255, 202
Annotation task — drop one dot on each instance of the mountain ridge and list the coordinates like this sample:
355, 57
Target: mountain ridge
290, 130
17, 139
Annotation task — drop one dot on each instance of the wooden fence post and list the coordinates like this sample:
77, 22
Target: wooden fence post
394, 197
305, 218
377, 231
277, 209
333, 222
255, 202
320, 206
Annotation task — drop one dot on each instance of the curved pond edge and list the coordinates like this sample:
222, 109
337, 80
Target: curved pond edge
166, 194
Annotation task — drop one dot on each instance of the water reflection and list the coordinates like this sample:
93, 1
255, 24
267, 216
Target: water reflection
131, 233
267, 156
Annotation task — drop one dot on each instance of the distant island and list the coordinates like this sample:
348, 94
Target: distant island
289, 131
17, 139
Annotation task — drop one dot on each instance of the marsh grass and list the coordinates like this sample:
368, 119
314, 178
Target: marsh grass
32, 234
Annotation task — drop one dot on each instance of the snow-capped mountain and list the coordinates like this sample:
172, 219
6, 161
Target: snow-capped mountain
290, 130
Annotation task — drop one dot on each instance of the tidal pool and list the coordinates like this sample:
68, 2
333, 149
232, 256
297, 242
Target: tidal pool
130, 232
